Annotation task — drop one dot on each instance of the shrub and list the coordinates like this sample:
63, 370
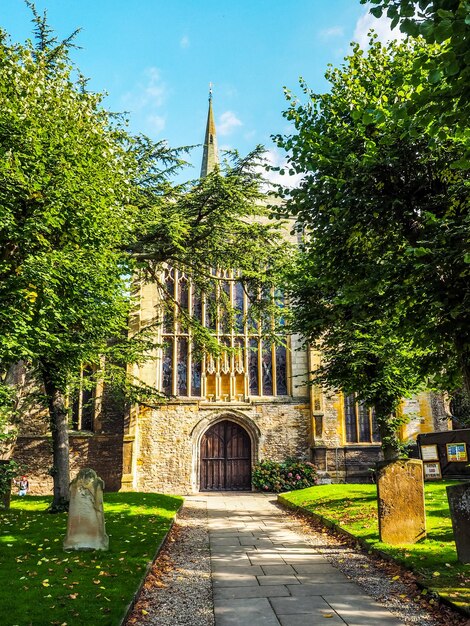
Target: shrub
287, 476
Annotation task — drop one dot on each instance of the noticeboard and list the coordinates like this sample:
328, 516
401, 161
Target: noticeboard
457, 452
453, 448
429, 452
432, 471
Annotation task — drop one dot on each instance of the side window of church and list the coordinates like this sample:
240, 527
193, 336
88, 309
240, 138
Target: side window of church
360, 422
82, 401
251, 365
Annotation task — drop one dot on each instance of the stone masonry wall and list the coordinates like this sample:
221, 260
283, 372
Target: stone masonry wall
103, 453
168, 438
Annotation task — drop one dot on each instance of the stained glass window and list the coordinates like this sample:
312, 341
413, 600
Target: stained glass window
253, 367
281, 370
248, 367
350, 418
267, 365
361, 426
167, 368
182, 368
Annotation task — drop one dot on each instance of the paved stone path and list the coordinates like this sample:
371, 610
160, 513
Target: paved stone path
265, 574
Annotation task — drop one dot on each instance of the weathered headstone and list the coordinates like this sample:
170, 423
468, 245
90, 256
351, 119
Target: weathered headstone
85, 525
400, 495
459, 505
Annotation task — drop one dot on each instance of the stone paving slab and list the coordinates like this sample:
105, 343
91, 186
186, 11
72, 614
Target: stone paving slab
295, 605
278, 570
278, 580
258, 591
361, 610
311, 620
323, 589
332, 576
251, 570
225, 541
233, 580
246, 612
311, 568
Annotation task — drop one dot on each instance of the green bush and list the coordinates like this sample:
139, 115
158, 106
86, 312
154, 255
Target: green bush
287, 476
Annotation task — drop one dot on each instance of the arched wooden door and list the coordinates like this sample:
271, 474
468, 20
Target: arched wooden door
225, 458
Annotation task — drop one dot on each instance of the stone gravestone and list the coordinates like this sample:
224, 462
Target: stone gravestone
400, 495
459, 505
85, 525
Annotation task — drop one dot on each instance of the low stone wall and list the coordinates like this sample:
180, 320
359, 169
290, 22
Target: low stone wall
353, 464
103, 453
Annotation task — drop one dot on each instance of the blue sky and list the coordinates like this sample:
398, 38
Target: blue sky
155, 58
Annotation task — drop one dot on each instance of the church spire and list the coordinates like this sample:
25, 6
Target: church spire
210, 156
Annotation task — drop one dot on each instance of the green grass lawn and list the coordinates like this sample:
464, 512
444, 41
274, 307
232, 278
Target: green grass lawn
40, 584
434, 559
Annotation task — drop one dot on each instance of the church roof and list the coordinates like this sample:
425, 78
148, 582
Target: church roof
210, 156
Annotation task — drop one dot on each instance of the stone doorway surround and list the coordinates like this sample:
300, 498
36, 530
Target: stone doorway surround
209, 420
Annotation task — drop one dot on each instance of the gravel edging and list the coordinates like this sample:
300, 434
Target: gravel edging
373, 571
178, 589
150, 564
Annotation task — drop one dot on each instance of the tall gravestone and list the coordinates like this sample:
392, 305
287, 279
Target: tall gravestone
85, 524
459, 506
400, 495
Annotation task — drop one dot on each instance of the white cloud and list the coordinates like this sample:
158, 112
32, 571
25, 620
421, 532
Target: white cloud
380, 25
228, 121
155, 90
150, 91
184, 42
334, 31
156, 123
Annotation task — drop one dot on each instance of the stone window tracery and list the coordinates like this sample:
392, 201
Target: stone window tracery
250, 366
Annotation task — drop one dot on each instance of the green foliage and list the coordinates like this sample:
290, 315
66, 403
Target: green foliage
354, 508
381, 281
82, 587
286, 476
9, 470
7, 412
443, 101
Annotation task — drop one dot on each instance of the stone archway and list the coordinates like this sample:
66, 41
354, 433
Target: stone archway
239, 439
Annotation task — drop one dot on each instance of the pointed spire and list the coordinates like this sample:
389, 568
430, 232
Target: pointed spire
210, 156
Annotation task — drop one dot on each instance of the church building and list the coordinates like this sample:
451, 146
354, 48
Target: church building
223, 414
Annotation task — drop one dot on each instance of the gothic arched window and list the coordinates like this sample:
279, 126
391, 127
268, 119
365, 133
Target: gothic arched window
250, 366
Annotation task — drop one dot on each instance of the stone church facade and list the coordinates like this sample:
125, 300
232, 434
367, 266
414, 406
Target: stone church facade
224, 414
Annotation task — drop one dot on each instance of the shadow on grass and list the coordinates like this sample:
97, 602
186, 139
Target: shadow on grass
81, 588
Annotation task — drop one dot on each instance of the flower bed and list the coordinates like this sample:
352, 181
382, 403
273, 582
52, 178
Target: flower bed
289, 475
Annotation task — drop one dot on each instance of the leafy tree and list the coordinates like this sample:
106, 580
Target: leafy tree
66, 176
443, 101
82, 207
383, 279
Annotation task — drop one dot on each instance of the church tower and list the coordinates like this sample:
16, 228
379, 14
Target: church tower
210, 156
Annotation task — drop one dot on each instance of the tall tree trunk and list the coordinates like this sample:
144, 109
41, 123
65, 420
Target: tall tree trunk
58, 416
388, 428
